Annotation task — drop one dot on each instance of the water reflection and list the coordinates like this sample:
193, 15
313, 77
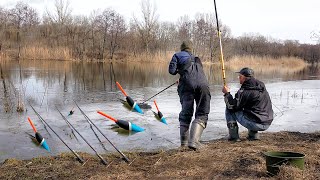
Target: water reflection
92, 84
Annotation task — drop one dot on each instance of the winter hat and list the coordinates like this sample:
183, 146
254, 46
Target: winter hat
186, 46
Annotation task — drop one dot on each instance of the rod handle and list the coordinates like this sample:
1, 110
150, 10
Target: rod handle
121, 89
108, 116
32, 125
102, 160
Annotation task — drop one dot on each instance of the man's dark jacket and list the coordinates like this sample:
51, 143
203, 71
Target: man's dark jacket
254, 100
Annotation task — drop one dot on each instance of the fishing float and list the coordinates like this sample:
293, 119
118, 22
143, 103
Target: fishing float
42, 120
67, 123
122, 123
71, 112
38, 137
130, 101
159, 115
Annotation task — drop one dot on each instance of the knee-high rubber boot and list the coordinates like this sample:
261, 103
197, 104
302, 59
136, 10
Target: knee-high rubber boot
195, 135
253, 135
184, 134
233, 131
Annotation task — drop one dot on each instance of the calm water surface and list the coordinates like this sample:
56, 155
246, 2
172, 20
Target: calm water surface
46, 85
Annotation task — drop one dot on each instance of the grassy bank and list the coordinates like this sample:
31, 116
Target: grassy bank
219, 160
267, 64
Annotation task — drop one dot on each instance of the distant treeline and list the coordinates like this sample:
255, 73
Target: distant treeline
106, 35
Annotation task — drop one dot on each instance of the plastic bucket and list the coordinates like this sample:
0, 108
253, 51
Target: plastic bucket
274, 159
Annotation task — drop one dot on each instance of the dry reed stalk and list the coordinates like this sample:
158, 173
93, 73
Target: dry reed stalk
267, 64
34, 52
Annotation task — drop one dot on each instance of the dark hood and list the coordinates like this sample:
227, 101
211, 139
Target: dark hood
253, 84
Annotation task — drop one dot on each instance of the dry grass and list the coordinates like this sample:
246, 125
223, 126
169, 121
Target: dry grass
157, 57
219, 160
58, 53
286, 64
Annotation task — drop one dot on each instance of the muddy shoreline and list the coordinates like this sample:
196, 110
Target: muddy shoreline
219, 160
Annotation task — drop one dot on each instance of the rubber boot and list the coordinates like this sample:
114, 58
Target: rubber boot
253, 135
195, 135
233, 132
184, 134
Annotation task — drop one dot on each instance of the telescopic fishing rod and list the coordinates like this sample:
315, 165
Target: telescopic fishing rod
94, 132
41, 119
102, 160
220, 42
77, 155
124, 156
159, 92
67, 124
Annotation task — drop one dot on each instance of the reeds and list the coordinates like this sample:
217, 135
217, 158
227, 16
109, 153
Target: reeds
58, 53
287, 64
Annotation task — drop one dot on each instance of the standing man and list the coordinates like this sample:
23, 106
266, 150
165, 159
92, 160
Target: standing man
251, 107
193, 87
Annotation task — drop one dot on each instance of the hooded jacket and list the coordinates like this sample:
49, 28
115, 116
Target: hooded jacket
190, 69
254, 100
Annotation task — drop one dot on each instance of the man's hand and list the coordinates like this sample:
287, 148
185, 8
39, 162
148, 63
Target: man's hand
225, 89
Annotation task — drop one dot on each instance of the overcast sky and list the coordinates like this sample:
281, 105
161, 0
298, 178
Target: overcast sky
279, 19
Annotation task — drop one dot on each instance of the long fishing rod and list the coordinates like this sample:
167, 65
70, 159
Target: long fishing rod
67, 123
77, 155
41, 119
103, 160
124, 156
159, 92
220, 42
94, 132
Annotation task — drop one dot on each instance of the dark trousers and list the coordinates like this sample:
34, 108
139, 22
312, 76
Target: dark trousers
200, 95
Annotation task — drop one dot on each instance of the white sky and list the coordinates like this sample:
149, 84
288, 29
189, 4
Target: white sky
280, 19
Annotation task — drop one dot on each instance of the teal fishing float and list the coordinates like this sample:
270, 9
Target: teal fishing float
159, 114
130, 101
122, 123
38, 137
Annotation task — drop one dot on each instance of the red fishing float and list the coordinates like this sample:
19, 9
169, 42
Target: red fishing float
122, 123
38, 136
159, 115
129, 100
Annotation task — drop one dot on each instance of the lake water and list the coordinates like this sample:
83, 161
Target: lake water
49, 84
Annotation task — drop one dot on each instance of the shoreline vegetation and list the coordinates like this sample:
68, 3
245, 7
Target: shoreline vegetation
64, 54
220, 159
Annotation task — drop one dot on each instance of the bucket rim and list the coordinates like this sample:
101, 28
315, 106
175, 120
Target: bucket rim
299, 155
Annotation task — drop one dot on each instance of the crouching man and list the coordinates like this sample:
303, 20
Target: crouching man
251, 106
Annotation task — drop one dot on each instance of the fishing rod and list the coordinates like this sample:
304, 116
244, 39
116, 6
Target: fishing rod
78, 157
102, 160
159, 92
41, 119
220, 42
124, 156
94, 132
67, 123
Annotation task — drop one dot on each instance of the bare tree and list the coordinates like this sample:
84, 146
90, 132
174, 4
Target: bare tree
104, 23
62, 13
315, 36
147, 26
22, 16
184, 28
117, 31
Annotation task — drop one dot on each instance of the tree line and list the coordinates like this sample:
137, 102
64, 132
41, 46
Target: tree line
107, 35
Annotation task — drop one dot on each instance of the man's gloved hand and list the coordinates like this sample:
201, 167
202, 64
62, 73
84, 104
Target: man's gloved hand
225, 89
